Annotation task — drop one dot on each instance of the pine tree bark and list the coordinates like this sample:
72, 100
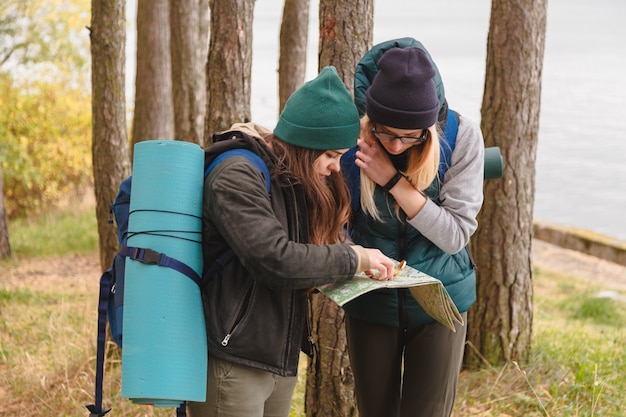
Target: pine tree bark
5, 247
500, 323
189, 47
229, 65
110, 142
154, 108
345, 36
346, 33
294, 31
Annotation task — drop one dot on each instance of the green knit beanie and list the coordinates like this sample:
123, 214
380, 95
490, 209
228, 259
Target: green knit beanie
320, 115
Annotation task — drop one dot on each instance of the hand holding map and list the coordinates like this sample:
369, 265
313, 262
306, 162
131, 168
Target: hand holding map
428, 291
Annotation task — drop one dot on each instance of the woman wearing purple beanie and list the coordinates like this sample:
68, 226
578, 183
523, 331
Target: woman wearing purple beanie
404, 362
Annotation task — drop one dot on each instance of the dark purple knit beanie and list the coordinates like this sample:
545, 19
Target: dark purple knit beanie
402, 94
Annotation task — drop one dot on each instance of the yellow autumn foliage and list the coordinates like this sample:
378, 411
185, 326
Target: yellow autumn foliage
45, 147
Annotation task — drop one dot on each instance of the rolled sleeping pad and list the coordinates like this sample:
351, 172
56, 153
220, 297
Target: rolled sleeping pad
494, 163
164, 356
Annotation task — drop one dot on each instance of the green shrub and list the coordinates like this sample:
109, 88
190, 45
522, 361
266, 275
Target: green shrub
46, 143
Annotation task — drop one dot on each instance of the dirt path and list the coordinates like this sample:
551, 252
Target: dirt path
609, 275
76, 272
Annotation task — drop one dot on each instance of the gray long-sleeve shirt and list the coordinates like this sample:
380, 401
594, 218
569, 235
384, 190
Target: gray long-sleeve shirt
450, 224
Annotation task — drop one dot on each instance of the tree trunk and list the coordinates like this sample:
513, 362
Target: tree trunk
154, 109
229, 66
294, 31
501, 320
345, 36
346, 33
329, 382
110, 142
5, 247
189, 47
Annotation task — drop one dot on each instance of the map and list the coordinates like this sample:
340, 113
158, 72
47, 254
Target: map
427, 290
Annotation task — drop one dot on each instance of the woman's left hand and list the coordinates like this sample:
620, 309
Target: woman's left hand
374, 162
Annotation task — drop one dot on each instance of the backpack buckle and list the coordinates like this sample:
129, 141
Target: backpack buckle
146, 256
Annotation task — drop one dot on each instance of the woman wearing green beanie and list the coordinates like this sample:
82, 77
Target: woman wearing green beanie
285, 244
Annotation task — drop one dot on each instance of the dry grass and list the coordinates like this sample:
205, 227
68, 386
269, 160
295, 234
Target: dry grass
48, 310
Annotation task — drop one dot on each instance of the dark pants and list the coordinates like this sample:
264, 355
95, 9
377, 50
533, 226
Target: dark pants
405, 372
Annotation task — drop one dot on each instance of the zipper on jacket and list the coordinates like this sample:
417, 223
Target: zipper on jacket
286, 353
238, 317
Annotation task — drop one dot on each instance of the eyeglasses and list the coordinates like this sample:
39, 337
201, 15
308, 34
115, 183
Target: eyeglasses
407, 140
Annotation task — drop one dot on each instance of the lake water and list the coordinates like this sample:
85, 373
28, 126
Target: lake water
581, 172
581, 175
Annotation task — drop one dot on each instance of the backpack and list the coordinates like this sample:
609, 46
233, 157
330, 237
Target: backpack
111, 297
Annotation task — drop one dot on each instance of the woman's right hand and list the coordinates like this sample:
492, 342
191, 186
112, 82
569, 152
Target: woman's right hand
380, 262
374, 162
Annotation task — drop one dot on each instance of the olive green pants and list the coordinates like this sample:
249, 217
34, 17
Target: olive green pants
405, 372
235, 390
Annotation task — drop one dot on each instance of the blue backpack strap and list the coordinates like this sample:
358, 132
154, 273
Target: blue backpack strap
448, 140
352, 176
144, 255
250, 156
225, 257
106, 281
152, 257
222, 260
120, 208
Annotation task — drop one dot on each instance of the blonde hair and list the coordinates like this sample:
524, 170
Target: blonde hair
422, 167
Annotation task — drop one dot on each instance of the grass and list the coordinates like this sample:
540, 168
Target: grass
578, 364
54, 234
47, 342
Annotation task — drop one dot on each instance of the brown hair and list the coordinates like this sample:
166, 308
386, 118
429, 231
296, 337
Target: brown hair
328, 203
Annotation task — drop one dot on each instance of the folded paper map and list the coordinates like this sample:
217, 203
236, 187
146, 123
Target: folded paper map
428, 291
